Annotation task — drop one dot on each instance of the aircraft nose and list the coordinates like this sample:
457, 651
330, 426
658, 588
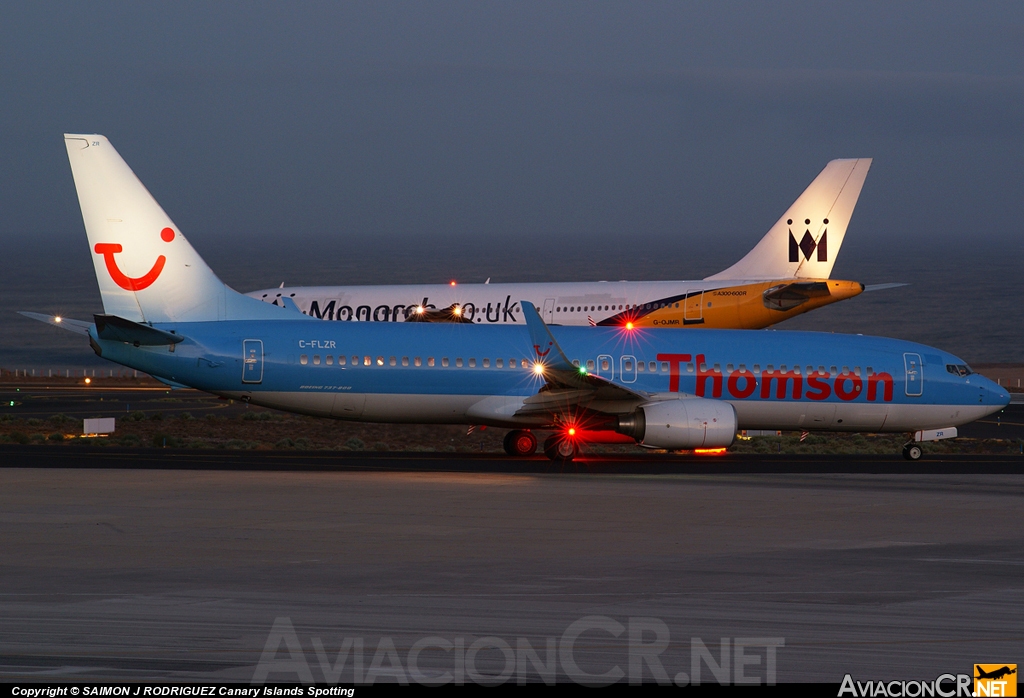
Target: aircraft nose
992, 393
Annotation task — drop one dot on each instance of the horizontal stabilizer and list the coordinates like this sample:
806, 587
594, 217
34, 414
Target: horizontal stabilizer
117, 329
79, 326
882, 287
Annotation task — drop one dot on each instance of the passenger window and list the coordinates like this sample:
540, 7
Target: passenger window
444, 362
458, 363
833, 371
341, 361
380, 360
405, 360
689, 367
367, 361
487, 363
728, 367
329, 360
590, 364
653, 366
511, 363
303, 359
629, 365
605, 365
498, 363
641, 366
316, 359
430, 361
846, 370
576, 363
472, 363
392, 361
417, 361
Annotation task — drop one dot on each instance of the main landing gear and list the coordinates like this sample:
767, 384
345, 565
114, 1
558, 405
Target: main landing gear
912, 451
560, 449
520, 442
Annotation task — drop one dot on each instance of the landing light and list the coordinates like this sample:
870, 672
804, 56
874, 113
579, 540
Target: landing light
88, 381
58, 318
419, 309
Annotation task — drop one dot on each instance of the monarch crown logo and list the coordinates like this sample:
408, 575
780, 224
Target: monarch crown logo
807, 245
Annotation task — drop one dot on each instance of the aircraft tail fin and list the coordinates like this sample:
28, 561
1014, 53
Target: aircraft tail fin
804, 243
146, 269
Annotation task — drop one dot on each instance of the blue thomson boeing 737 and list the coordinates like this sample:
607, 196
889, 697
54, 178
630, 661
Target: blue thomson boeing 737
167, 313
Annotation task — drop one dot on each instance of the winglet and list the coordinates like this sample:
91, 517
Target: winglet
545, 347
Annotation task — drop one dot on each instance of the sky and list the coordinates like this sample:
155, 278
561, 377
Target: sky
384, 142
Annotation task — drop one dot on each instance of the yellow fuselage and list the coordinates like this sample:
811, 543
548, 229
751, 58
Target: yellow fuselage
748, 306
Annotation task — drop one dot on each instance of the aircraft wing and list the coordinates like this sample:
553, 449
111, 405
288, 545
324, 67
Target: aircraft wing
570, 390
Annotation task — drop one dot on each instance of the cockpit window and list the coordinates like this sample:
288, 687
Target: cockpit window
959, 369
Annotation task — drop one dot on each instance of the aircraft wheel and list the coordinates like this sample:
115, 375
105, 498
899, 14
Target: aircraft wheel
520, 442
912, 452
560, 449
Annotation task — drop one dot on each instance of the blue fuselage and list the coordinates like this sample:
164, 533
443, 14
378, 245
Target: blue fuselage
440, 373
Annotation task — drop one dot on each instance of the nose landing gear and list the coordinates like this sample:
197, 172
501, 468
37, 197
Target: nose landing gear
912, 451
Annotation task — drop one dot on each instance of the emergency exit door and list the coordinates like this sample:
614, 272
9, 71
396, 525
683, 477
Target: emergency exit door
915, 374
693, 309
252, 360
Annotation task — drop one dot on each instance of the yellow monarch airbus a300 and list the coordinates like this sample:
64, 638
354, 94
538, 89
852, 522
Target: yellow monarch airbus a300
785, 274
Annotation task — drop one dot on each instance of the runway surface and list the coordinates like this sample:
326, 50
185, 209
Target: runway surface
175, 565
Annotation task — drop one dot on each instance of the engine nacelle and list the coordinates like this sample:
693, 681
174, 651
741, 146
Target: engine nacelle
694, 422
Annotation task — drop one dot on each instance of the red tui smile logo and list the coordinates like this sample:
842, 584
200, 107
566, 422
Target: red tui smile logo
128, 283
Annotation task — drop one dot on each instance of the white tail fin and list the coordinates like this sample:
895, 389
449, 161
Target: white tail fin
806, 240
146, 269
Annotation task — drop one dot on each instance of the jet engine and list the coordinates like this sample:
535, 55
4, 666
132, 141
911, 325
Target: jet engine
683, 423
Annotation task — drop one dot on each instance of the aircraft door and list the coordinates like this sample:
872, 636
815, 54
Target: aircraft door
606, 367
915, 374
627, 369
693, 308
549, 310
252, 360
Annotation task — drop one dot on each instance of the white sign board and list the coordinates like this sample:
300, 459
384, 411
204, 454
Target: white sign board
103, 425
